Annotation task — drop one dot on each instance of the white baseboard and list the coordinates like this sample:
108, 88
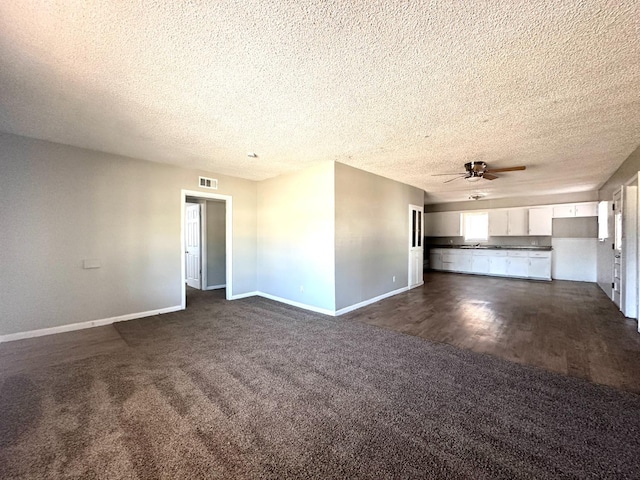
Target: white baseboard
131, 316
82, 325
324, 311
216, 287
296, 304
243, 295
353, 307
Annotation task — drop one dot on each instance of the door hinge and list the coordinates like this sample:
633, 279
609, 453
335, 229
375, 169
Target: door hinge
613, 246
613, 285
613, 207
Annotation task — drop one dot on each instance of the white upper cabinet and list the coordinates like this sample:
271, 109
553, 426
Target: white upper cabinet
508, 222
564, 211
442, 224
513, 222
498, 223
518, 222
603, 220
588, 209
540, 221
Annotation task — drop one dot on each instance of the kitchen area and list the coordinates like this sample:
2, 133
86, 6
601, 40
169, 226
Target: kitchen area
537, 242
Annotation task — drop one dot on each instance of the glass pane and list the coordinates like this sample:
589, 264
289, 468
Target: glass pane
413, 228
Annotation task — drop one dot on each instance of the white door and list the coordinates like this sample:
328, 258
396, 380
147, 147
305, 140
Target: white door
192, 245
416, 249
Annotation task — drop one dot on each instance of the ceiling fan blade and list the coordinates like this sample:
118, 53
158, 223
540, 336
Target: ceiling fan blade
462, 176
441, 174
489, 176
507, 169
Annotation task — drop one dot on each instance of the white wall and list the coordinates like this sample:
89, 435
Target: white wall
574, 259
60, 205
296, 232
372, 234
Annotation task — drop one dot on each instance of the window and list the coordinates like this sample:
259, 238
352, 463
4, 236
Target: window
475, 226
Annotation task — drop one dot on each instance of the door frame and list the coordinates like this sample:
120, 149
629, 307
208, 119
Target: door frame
419, 208
228, 199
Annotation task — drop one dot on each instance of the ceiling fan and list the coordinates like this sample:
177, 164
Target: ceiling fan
477, 170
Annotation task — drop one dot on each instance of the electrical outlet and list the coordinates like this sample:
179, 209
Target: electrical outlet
301, 288
394, 278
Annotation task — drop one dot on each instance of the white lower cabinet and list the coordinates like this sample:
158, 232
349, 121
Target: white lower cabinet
480, 264
540, 265
498, 264
505, 263
517, 264
435, 260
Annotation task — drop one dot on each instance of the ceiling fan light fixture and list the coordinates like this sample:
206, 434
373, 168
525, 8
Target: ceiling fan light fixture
473, 178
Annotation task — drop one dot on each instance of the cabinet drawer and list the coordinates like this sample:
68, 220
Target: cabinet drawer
539, 254
516, 253
483, 253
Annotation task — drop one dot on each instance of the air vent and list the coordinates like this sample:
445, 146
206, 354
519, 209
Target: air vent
211, 183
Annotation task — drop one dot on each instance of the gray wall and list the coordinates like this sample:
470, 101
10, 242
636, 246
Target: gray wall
296, 232
626, 171
216, 243
371, 234
60, 205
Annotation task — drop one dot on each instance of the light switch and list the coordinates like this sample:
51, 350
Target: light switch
91, 263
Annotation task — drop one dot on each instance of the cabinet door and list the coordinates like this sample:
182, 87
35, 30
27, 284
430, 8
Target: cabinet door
450, 224
498, 223
435, 261
480, 264
518, 266
461, 263
586, 209
430, 224
540, 221
518, 222
498, 265
540, 268
564, 211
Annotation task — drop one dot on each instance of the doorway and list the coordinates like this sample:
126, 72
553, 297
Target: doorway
194, 261
194, 264
416, 248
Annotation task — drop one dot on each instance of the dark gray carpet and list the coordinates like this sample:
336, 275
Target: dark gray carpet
254, 389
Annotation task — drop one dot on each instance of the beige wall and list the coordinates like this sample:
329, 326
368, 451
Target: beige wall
296, 232
372, 234
60, 205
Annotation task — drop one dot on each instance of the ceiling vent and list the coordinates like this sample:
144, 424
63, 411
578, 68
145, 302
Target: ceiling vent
211, 183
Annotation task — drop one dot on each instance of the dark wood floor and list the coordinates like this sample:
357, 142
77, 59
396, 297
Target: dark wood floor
566, 327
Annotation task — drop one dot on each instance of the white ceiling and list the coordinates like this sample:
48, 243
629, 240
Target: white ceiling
401, 89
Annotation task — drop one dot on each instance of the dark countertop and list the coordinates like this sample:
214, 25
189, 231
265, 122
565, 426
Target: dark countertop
495, 247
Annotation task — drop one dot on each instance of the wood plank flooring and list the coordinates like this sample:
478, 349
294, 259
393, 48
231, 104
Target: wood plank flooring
566, 327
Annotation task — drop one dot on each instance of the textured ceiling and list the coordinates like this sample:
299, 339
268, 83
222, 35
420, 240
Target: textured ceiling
401, 89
